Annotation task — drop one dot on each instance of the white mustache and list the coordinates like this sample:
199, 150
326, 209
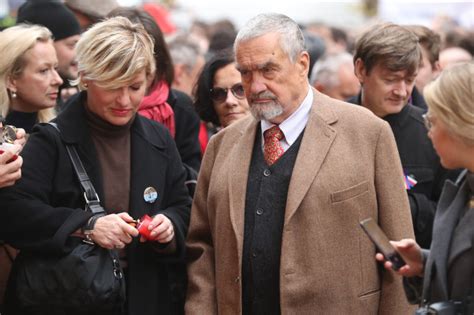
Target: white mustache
263, 95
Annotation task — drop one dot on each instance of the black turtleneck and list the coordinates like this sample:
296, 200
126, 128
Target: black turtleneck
22, 120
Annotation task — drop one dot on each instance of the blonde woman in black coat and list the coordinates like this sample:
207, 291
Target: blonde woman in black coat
445, 273
132, 162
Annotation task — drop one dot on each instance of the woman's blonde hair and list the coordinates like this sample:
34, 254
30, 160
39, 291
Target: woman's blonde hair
15, 42
113, 52
450, 98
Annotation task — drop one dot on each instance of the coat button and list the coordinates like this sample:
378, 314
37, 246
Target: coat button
259, 211
267, 172
237, 280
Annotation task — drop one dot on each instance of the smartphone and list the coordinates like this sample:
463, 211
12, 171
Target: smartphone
378, 237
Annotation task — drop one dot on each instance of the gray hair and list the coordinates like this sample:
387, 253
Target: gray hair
291, 37
326, 69
185, 51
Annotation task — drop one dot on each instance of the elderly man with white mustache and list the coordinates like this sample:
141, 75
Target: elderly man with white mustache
275, 220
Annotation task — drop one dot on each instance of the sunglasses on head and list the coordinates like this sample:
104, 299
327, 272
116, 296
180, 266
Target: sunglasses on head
220, 94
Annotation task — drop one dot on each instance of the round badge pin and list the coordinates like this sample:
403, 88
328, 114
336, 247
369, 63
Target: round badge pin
150, 195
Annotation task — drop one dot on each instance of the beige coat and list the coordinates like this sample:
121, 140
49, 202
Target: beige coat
347, 169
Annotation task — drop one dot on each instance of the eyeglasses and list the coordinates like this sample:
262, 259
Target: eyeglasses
427, 120
219, 95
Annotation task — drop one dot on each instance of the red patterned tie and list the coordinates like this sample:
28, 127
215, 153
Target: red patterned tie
272, 149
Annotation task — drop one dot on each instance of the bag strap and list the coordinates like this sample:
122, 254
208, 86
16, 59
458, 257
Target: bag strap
90, 195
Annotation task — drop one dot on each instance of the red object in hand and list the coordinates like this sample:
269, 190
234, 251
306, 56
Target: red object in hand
143, 226
14, 157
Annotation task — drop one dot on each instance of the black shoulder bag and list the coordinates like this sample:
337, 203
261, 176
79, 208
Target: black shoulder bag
88, 278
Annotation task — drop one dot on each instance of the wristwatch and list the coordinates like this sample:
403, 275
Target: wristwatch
88, 229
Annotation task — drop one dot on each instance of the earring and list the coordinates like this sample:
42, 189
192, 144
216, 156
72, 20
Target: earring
13, 94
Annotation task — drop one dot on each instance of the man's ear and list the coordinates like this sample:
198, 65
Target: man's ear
359, 70
436, 70
303, 63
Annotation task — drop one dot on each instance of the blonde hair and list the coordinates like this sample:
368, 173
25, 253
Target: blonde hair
111, 53
450, 98
15, 42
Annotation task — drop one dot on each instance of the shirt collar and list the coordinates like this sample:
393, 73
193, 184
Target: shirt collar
295, 124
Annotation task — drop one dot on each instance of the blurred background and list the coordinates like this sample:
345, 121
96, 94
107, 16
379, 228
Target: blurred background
345, 14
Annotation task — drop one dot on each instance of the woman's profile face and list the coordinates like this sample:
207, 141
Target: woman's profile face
116, 106
232, 104
446, 145
38, 84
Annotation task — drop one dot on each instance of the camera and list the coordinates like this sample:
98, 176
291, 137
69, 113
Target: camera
442, 308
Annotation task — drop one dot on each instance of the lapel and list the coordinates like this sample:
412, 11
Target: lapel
317, 140
463, 239
145, 165
74, 130
241, 157
448, 212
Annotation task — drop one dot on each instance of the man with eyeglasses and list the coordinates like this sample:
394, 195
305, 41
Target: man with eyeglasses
275, 221
386, 61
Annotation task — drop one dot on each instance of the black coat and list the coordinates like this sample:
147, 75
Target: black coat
187, 128
449, 265
420, 161
418, 100
45, 206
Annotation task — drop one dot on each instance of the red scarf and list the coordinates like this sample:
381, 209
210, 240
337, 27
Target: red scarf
155, 107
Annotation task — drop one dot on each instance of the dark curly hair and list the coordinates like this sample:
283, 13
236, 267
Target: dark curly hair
203, 103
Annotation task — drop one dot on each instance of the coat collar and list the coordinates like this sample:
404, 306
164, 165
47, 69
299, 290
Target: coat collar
398, 119
317, 140
238, 177
75, 130
450, 205
72, 120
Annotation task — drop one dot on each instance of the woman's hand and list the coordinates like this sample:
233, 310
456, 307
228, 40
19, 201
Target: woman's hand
20, 138
411, 253
10, 171
113, 231
161, 228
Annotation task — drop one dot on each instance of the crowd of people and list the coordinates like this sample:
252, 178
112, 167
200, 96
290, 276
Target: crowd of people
254, 153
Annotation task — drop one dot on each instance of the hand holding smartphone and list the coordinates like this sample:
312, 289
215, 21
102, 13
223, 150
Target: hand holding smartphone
378, 237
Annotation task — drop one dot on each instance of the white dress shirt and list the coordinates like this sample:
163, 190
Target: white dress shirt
293, 125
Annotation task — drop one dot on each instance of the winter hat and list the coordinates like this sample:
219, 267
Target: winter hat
52, 14
93, 8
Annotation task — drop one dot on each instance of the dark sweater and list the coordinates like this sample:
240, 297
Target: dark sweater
267, 190
112, 144
22, 120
